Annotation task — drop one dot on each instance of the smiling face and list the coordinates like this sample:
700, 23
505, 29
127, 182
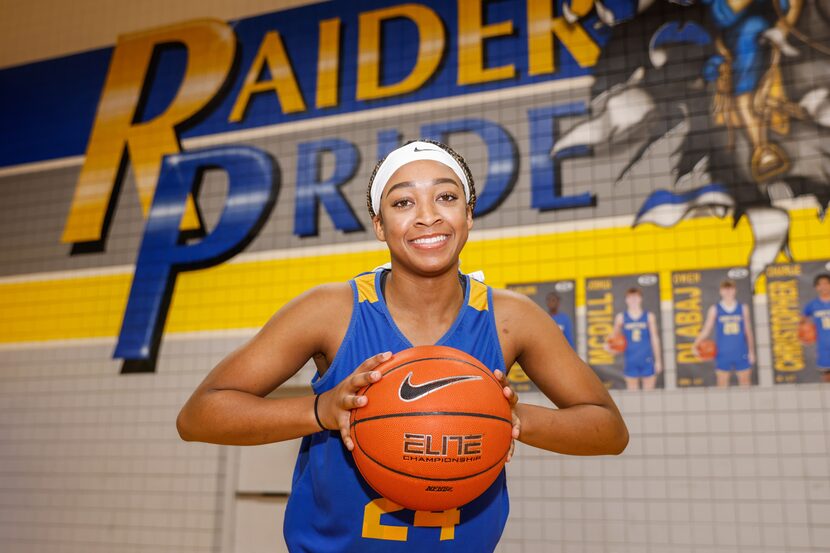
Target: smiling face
424, 218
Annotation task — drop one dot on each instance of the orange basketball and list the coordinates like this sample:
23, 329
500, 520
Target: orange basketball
807, 332
617, 343
707, 350
436, 430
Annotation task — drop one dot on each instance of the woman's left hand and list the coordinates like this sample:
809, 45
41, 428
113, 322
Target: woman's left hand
513, 399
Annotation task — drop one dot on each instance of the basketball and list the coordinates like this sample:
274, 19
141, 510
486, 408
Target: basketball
707, 350
436, 430
807, 332
617, 343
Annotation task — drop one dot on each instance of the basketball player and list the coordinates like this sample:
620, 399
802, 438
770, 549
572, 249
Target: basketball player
561, 319
642, 361
819, 311
421, 200
733, 337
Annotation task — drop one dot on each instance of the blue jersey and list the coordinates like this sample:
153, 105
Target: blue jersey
730, 338
566, 326
331, 507
820, 313
638, 348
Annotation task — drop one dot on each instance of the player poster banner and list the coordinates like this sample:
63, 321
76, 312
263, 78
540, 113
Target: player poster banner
713, 329
798, 295
627, 306
558, 299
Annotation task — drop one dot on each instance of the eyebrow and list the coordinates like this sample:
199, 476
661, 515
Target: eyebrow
409, 184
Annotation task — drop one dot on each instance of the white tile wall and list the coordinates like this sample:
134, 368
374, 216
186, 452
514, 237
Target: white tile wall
90, 461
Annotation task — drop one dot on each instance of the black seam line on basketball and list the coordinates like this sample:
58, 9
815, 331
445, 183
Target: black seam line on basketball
396, 367
429, 413
408, 475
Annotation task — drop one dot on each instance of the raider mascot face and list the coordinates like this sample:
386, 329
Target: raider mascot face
724, 88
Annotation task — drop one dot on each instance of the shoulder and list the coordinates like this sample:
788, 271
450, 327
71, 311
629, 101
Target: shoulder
332, 297
330, 291
520, 323
320, 303
319, 316
510, 304
517, 312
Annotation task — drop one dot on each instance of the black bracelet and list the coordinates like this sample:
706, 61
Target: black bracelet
316, 416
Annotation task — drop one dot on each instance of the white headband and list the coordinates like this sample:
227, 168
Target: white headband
414, 151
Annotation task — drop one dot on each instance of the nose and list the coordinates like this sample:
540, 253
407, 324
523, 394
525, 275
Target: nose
427, 213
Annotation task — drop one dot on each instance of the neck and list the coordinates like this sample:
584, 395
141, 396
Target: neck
428, 297
824, 298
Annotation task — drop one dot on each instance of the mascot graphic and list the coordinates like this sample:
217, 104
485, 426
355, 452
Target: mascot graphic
709, 84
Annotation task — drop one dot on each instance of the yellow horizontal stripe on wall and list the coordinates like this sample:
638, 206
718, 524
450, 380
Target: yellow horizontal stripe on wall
246, 294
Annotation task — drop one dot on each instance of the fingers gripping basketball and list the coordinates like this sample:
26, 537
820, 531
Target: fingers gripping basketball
435, 431
336, 404
707, 350
807, 333
617, 343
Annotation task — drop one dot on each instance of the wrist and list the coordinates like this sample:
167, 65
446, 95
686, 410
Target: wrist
521, 410
319, 421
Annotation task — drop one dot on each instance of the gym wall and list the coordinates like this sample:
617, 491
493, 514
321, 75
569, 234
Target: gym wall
613, 144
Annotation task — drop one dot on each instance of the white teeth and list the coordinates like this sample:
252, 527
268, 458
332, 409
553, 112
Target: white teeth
430, 240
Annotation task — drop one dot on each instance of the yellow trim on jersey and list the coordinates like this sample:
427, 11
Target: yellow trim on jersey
366, 288
244, 295
478, 295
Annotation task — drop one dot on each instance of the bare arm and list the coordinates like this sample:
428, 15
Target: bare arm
750, 337
707, 326
656, 348
587, 421
618, 324
230, 407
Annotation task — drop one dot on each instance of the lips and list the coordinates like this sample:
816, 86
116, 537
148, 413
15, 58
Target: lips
430, 241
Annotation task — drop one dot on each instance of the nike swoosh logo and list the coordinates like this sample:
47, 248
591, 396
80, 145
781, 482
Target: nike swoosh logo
411, 392
415, 149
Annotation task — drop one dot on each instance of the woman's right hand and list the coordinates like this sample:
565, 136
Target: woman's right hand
334, 406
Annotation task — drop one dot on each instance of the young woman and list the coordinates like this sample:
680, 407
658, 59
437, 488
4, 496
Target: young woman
421, 200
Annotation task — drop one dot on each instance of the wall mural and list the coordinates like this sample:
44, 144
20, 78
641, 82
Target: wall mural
608, 128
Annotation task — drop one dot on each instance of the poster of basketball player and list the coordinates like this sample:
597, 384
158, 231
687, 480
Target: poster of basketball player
558, 299
798, 300
623, 328
713, 329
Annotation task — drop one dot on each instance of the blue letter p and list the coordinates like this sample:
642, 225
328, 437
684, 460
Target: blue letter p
251, 195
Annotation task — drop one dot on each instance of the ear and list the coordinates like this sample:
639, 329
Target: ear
469, 217
377, 224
